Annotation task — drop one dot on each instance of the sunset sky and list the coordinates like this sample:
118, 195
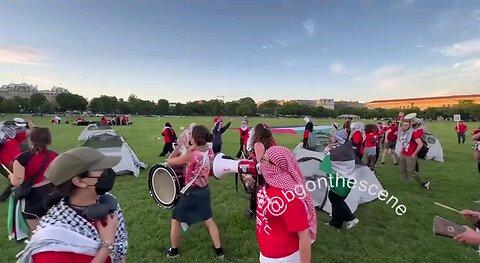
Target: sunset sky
190, 50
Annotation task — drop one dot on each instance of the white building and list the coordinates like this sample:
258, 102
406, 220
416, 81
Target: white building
24, 90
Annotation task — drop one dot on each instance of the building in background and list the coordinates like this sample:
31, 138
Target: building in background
342, 104
422, 103
24, 90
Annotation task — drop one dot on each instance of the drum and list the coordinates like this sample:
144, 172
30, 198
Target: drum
165, 183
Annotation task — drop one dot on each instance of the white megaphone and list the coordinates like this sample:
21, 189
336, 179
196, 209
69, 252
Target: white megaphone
223, 165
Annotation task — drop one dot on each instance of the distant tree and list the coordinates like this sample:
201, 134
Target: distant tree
69, 101
250, 106
37, 100
230, 108
103, 104
163, 106
269, 107
214, 107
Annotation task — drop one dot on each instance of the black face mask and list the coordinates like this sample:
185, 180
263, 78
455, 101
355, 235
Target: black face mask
98, 211
105, 182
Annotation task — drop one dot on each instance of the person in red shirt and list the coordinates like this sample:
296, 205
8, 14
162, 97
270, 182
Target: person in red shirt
371, 141
358, 141
461, 129
169, 137
306, 134
244, 131
476, 146
30, 166
411, 144
390, 142
104, 121
85, 223
286, 220
9, 149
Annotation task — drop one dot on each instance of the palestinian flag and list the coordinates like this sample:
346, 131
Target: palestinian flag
17, 226
339, 170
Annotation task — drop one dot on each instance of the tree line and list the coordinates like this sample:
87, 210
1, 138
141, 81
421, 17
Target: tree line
38, 103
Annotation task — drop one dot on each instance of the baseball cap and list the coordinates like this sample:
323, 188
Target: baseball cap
77, 161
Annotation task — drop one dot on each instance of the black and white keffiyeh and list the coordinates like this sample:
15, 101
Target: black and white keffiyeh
63, 229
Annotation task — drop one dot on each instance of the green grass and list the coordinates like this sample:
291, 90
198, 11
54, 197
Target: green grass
381, 236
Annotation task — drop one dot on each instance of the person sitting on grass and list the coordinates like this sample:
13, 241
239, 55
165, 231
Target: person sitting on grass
195, 205
284, 233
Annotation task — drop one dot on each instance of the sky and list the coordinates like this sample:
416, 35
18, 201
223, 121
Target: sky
359, 50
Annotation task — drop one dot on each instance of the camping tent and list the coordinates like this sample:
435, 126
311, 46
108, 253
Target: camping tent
114, 145
92, 129
317, 182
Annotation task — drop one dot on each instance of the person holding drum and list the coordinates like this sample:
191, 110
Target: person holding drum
195, 205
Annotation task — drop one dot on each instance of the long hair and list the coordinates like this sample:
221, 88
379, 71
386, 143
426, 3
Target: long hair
309, 126
371, 128
201, 135
263, 135
40, 138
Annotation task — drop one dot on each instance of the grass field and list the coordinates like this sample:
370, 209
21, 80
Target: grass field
381, 236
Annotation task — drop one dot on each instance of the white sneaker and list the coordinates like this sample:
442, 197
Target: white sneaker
427, 185
352, 223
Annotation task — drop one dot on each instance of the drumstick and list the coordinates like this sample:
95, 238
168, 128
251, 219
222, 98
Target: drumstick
6, 169
449, 208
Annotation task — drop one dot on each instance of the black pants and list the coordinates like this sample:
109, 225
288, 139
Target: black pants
461, 137
341, 213
167, 148
253, 196
305, 143
240, 151
217, 147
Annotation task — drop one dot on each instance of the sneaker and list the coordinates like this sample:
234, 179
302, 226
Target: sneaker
173, 253
352, 223
219, 253
382, 162
427, 185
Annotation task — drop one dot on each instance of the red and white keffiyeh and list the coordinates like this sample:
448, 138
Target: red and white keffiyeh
282, 171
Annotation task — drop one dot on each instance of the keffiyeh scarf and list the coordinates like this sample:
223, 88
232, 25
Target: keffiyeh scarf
63, 229
282, 171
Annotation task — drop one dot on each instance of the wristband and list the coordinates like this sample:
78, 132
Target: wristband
108, 245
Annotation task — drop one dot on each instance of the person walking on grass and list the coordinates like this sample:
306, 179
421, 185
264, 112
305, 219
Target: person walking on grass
170, 138
371, 141
390, 142
411, 144
461, 129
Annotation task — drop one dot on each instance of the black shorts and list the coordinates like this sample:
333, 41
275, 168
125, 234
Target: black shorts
194, 206
392, 145
36, 202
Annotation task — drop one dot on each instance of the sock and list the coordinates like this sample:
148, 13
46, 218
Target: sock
219, 251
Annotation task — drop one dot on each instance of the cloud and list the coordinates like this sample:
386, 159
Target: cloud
419, 46
21, 55
337, 68
401, 81
468, 47
309, 27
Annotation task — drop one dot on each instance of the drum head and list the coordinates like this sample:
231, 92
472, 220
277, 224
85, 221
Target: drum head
163, 185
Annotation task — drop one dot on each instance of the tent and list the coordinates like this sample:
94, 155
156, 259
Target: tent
114, 145
365, 190
93, 129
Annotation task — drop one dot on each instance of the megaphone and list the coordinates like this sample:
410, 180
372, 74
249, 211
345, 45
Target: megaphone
223, 165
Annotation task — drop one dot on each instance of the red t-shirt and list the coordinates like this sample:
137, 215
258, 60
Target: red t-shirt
166, 135
412, 147
462, 128
476, 131
305, 134
8, 151
371, 140
32, 164
244, 135
392, 136
21, 136
104, 121
357, 138
278, 222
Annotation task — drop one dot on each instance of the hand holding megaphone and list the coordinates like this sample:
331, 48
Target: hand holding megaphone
223, 165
